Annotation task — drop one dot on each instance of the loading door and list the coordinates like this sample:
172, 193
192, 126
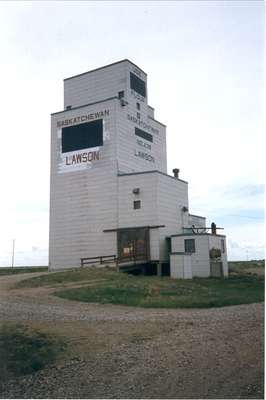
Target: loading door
216, 269
133, 244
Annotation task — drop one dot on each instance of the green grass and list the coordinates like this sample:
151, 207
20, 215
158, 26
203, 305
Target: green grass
109, 286
24, 351
72, 275
21, 270
169, 293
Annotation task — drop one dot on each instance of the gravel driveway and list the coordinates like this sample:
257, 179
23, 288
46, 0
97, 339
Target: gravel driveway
127, 352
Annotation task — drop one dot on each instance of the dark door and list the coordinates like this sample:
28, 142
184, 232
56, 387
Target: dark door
133, 244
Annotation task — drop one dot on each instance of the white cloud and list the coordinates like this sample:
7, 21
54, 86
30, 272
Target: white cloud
250, 243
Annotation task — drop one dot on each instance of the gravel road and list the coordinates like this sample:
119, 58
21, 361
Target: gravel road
127, 352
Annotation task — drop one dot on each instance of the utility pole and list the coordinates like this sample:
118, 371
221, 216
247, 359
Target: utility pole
13, 252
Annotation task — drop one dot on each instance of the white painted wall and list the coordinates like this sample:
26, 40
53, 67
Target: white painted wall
129, 145
148, 213
216, 242
162, 198
86, 201
200, 263
177, 266
172, 197
188, 274
180, 266
98, 84
107, 82
82, 202
200, 260
196, 220
151, 112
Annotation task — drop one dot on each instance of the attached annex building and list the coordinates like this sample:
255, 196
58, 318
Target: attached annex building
110, 191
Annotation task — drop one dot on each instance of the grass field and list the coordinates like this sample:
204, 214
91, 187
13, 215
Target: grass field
21, 270
107, 286
247, 267
166, 293
71, 276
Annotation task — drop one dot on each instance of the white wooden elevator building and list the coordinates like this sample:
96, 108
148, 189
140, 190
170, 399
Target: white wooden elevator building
110, 192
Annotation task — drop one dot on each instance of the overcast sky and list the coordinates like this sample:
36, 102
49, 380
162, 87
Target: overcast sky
204, 62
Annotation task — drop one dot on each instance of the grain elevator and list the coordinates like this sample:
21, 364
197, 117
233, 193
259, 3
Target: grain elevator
110, 192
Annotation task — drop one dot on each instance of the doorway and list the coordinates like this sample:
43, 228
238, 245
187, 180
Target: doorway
133, 244
216, 269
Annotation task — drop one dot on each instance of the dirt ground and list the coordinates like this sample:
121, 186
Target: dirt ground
127, 352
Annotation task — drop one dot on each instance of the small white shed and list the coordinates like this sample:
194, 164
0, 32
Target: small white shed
198, 255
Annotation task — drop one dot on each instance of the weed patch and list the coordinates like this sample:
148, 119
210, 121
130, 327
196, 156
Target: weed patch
24, 351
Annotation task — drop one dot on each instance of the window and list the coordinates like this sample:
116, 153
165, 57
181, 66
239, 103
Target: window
137, 84
138, 115
223, 245
121, 94
136, 204
138, 106
190, 246
143, 134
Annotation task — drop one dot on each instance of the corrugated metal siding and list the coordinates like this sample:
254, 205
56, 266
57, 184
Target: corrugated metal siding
83, 203
200, 261
78, 217
172, 196
196, 220
128, 142
148, 213
95, 86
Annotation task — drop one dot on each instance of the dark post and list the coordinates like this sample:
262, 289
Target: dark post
176, 172
13, 252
